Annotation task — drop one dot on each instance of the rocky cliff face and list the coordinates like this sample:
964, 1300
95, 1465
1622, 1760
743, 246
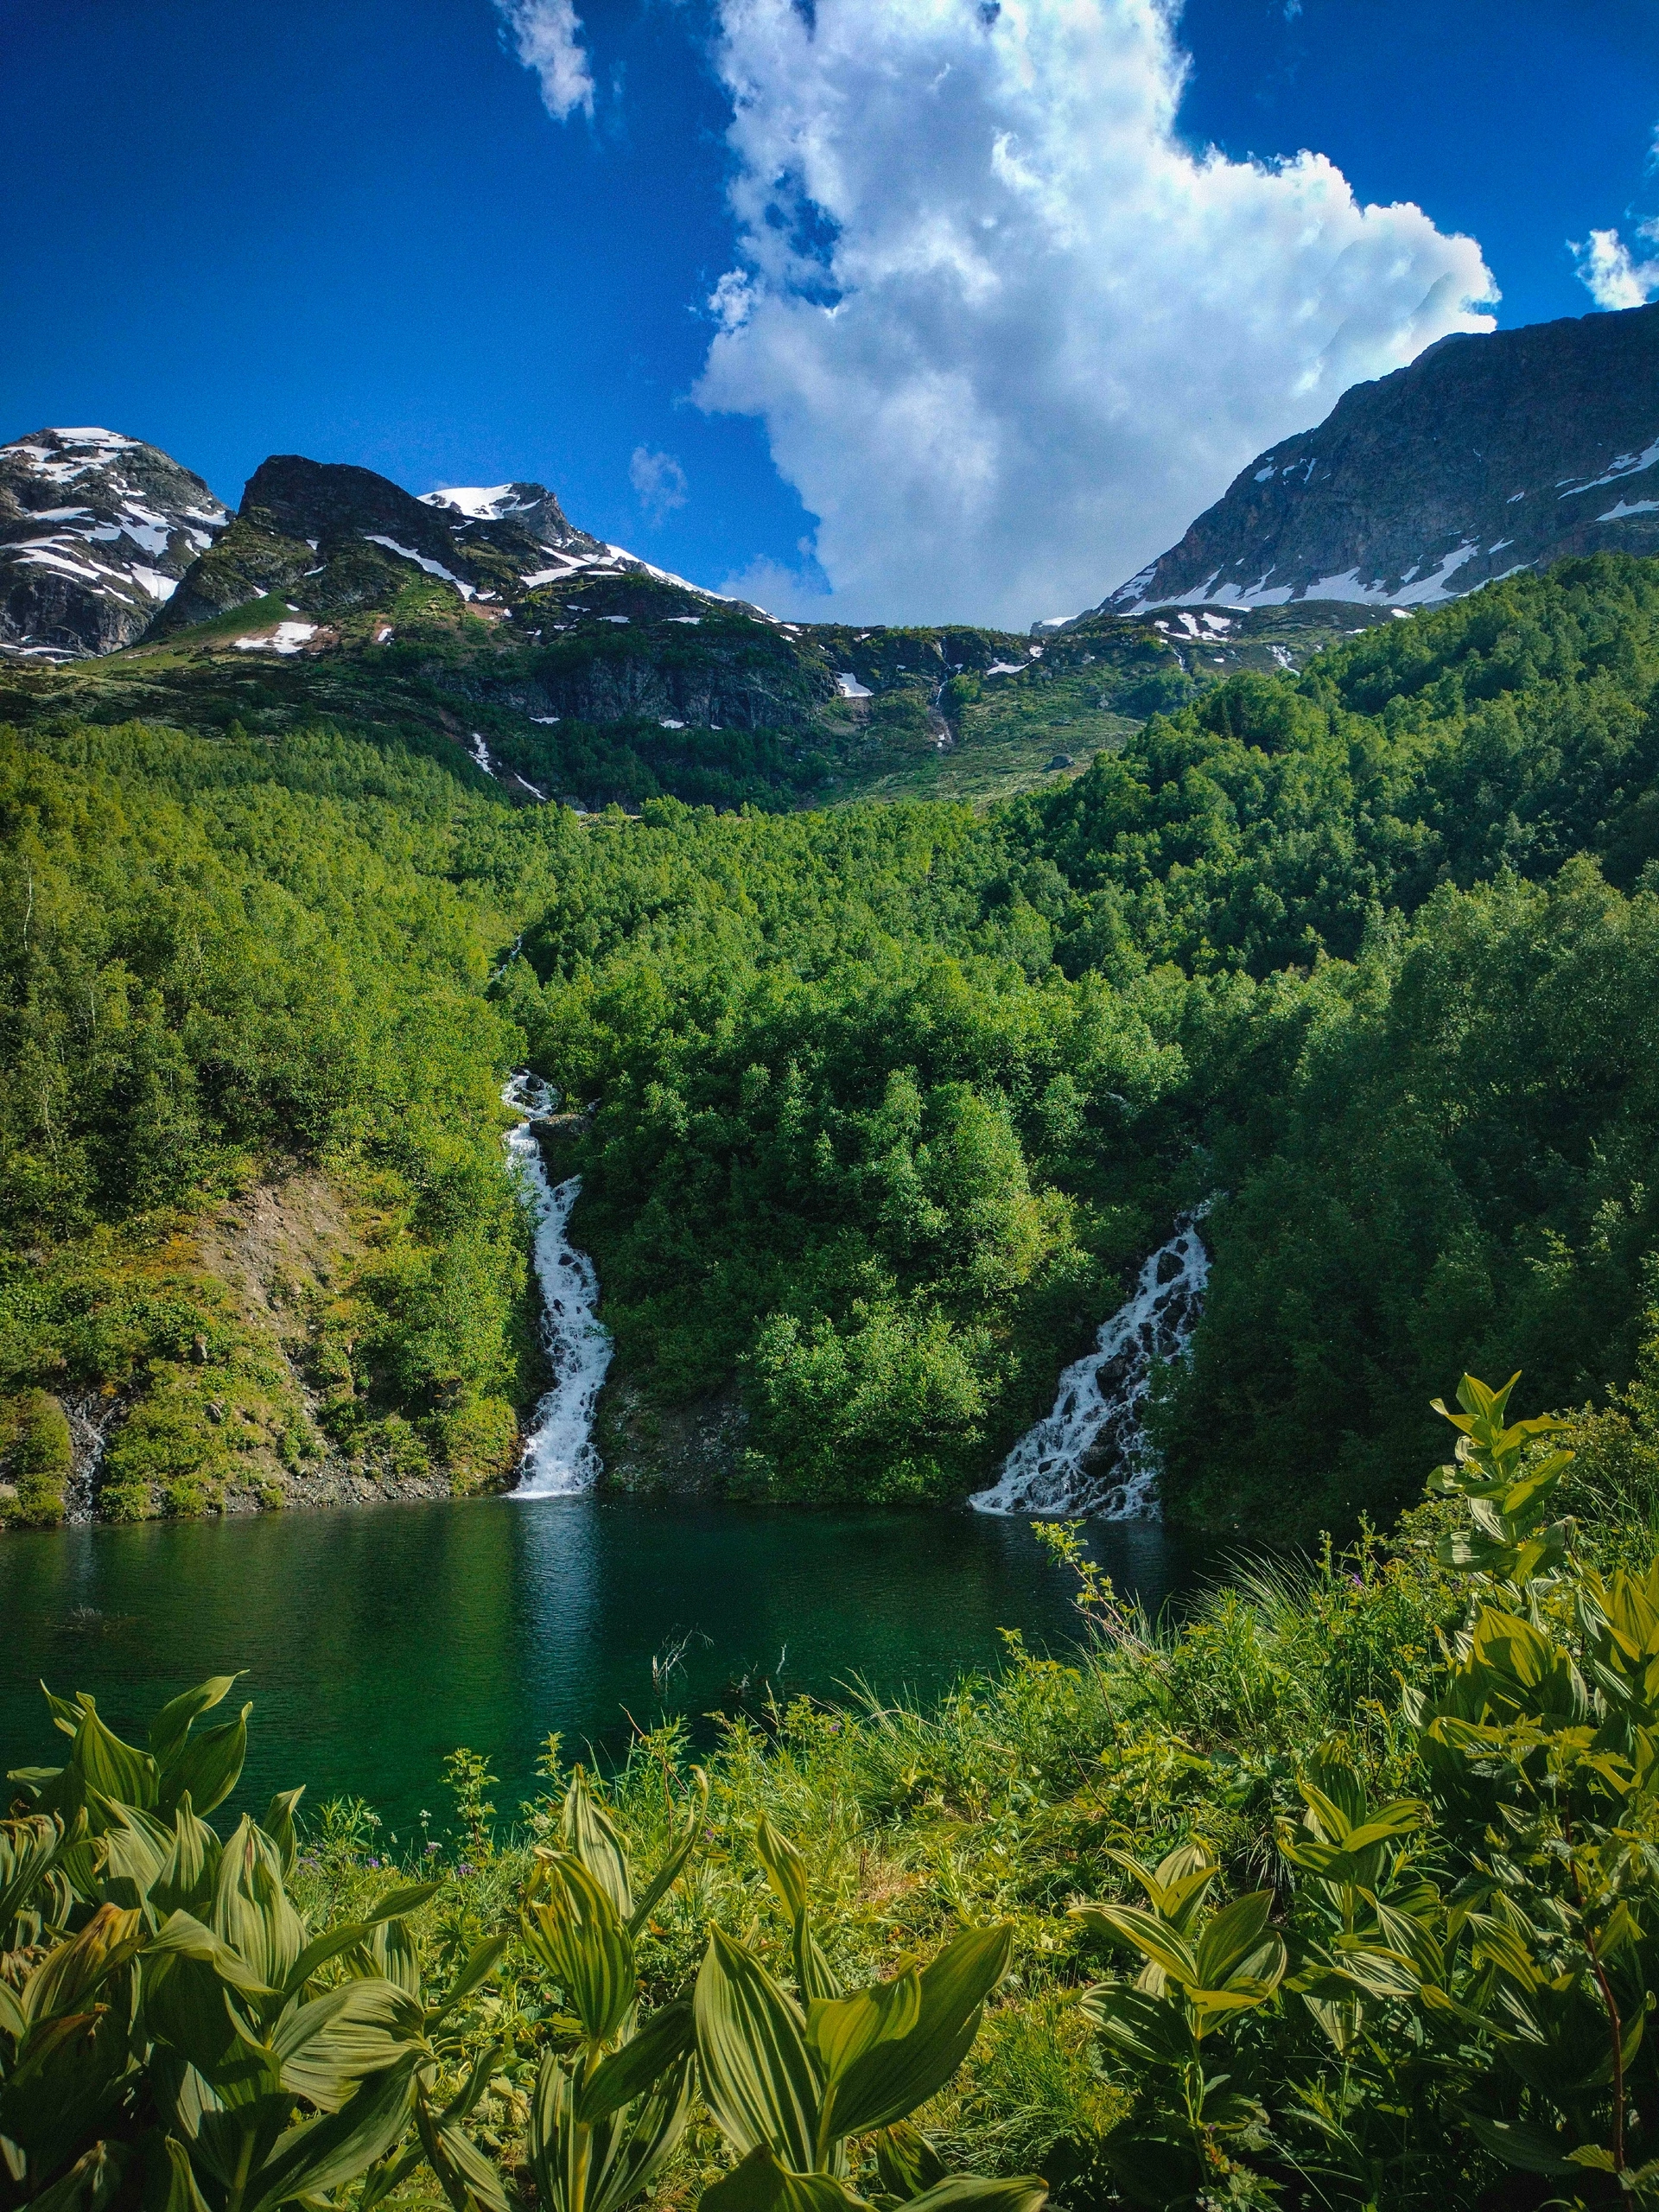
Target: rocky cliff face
1487, 455
329, 538
96, 529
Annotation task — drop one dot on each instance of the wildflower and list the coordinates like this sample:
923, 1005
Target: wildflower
430, 1848
375, 1864
464, 1868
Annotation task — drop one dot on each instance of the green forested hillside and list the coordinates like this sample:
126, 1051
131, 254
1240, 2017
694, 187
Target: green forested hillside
886, 1103
224, 963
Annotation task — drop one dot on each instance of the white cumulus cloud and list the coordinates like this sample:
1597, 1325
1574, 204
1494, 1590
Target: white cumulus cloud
547, 38
658, 480
1611, 273
1008, 334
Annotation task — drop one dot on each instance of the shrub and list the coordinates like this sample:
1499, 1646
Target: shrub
36, 1451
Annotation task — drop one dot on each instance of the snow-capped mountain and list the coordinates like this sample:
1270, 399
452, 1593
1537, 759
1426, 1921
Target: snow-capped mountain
532, 507
96, 529
329, 537
1487, 455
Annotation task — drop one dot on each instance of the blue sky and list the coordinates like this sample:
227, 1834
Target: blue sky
352, 228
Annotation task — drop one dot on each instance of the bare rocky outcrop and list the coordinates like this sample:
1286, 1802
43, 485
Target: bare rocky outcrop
283, 1250
1489, 453
679, 1451
96, 529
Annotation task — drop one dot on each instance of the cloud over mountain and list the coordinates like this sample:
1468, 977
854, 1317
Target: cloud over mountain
1007, 333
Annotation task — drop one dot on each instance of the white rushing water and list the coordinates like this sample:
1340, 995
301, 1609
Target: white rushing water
559, 1460
1091, 1455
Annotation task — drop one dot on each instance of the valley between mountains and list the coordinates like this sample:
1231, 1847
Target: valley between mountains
900, 989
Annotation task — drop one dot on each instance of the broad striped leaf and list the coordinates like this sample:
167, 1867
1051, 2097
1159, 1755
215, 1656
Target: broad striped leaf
182, 2193
761, 2184
628, 2150
1234, 1933
185, 1880
113, 1768
69, 1974
906, 2162
252, 1910
666, 2037
326, 2046
1145, 1933
590, 1835
842, 2029
278, 1824
891, 2080
29, 1851
171, 1726
578, 1936
208, 1767
785, 1868
183, 1935
334, 2148
757, 2074
468, 2179
957, 2192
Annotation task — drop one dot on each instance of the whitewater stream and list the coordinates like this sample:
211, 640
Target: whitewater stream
560, 1460
1091, 1455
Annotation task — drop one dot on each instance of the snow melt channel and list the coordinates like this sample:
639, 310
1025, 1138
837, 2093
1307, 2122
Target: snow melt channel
560, 1460
1091, 1455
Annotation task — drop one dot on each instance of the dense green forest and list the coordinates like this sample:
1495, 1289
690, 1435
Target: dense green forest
221, 964
877, 1110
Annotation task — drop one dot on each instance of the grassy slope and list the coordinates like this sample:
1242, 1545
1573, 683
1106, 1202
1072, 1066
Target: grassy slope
580, 700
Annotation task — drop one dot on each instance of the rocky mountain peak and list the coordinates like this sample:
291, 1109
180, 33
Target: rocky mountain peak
532, 506
1487, 455
96, 530
330, 538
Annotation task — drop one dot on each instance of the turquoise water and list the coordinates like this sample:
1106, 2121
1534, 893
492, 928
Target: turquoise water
376, 1641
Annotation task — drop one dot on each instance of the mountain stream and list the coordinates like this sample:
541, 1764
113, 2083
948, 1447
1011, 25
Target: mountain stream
1092, 1454
560, 1460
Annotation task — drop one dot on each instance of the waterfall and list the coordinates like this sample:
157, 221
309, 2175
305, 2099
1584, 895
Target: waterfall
1091, 1455
559, 1458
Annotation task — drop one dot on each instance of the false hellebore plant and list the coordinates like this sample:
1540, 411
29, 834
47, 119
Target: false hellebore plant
1477, 1965
788, 2078
164, 2036
172, 2035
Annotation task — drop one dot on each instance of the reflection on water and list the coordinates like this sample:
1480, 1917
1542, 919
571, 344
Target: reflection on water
377, 1641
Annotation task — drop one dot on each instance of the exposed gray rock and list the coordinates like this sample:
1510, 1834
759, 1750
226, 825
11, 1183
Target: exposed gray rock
96, 529
1487, 455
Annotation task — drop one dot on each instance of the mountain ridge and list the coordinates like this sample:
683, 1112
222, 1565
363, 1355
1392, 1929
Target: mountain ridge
1459, 468
97, 529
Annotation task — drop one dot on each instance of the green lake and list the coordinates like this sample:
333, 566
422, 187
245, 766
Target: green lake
377, 1640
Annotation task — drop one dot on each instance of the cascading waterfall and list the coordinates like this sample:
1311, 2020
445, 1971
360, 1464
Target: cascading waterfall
1091, 1455
560, 1460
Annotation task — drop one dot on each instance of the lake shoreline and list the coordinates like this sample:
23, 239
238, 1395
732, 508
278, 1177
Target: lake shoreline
375, 1643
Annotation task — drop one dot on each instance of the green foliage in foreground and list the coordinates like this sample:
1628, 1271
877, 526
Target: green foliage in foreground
174, 2034
1341, 1894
